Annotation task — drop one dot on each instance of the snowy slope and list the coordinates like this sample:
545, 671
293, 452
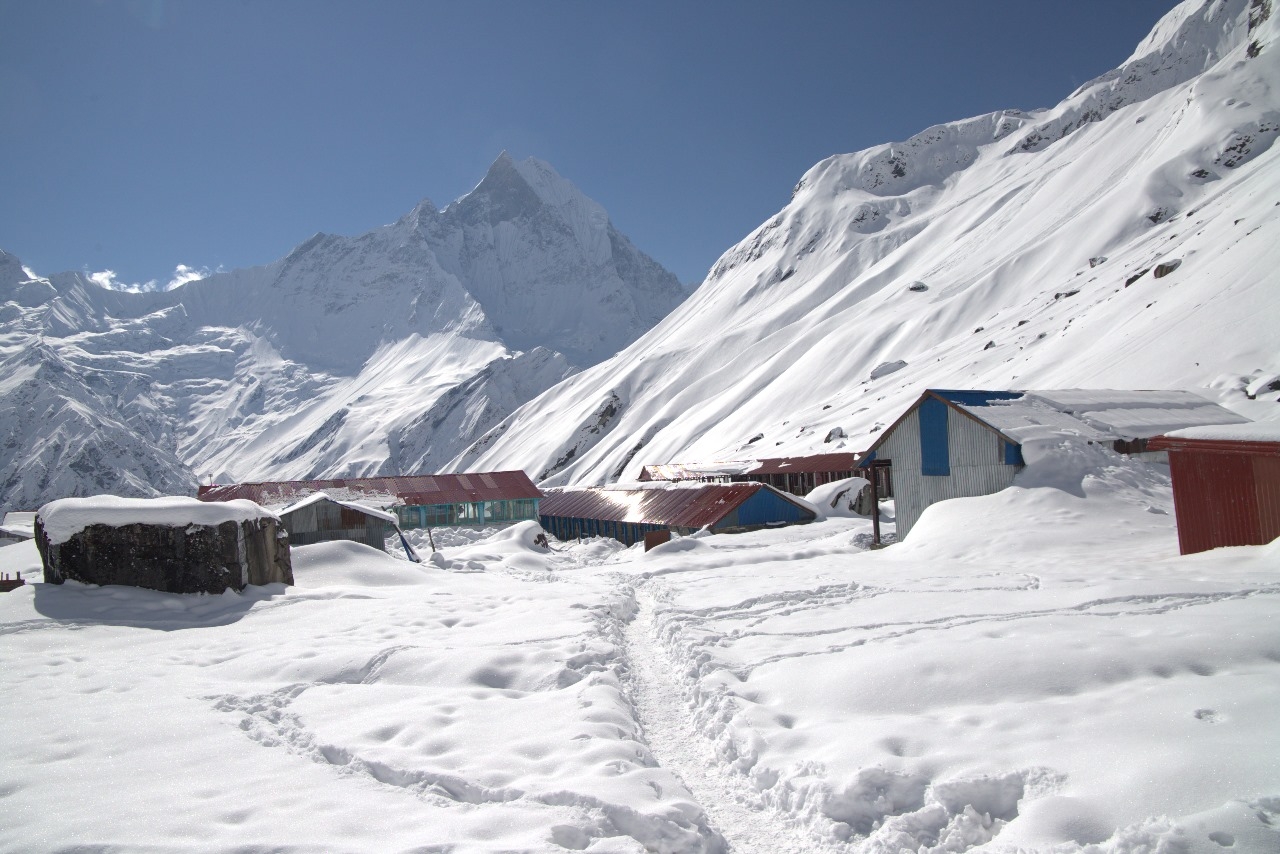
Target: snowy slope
1010, 250
387, 352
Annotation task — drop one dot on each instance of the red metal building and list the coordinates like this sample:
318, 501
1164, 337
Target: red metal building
629, 514
1226, 484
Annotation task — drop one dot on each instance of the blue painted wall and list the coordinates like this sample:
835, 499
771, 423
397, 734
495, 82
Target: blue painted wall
935, 449
763, 508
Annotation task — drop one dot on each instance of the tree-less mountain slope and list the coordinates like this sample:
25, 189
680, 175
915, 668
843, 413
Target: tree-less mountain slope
387, 352
1128, 237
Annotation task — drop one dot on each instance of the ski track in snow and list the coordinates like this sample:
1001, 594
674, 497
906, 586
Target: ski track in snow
662, 708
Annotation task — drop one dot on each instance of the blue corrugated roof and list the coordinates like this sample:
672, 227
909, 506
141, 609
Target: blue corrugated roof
975, 397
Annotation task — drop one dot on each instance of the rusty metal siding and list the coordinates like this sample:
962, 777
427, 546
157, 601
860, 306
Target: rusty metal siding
1266, 481
1214, 500
1225, 492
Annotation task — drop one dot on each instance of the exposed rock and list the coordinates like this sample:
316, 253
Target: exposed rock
886, 368
1138, 275
1166, 268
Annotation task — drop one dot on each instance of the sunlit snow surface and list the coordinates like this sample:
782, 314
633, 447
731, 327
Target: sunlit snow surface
1037, 668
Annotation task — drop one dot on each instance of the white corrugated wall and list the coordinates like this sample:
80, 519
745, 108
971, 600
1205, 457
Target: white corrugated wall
977, 466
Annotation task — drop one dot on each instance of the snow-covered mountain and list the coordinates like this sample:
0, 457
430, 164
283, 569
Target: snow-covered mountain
1128, 237
388, 352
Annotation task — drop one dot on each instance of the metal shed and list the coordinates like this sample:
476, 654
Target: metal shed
955, 443
1226, 485
319, 518
628, 513
419, 501
18, 526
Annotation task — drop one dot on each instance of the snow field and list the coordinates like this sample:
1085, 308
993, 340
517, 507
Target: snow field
1036, 670
996, 681
376, 706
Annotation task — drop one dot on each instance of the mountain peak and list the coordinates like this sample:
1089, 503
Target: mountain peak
502, 195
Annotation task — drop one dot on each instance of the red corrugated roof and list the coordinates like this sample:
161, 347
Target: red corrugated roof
1225, 446
683, 507
814, 464
409, 489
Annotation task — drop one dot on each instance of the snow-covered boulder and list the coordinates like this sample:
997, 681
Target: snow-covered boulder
176, 545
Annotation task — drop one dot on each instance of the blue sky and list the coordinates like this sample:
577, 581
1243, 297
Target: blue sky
141, 135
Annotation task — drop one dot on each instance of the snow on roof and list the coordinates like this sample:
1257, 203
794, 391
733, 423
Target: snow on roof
19, 523
386, 491
1138, 414
1027, 418
1097, 414
812, 463
1253, 431
66, 517
317, 497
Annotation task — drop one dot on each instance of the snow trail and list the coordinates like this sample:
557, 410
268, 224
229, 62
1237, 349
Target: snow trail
732, 807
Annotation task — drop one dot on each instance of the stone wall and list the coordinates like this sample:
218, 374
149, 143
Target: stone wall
176, 559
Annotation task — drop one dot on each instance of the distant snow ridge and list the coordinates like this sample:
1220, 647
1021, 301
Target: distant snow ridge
388, 352
1126, 238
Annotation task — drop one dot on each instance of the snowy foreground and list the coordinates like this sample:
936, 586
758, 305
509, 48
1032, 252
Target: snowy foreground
1035, 670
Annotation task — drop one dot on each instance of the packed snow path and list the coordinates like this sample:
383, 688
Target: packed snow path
665, 717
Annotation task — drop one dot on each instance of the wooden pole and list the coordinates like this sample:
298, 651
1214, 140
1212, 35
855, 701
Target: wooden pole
875, 509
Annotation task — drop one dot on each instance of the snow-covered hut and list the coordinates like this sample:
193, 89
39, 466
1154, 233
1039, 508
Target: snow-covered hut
319, 518
474, 499
1226, 484
957, 443
177, 545
627, 513
796, 475
18, 526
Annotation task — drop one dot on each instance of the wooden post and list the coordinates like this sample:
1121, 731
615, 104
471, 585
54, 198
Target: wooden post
875, 509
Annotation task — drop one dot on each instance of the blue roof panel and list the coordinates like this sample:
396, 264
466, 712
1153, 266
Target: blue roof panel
975, 397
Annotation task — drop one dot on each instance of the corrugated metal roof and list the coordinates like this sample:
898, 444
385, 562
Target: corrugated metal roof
812, 464
384, 491
1097, 414
1138, 414
680, 507
1215, 445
